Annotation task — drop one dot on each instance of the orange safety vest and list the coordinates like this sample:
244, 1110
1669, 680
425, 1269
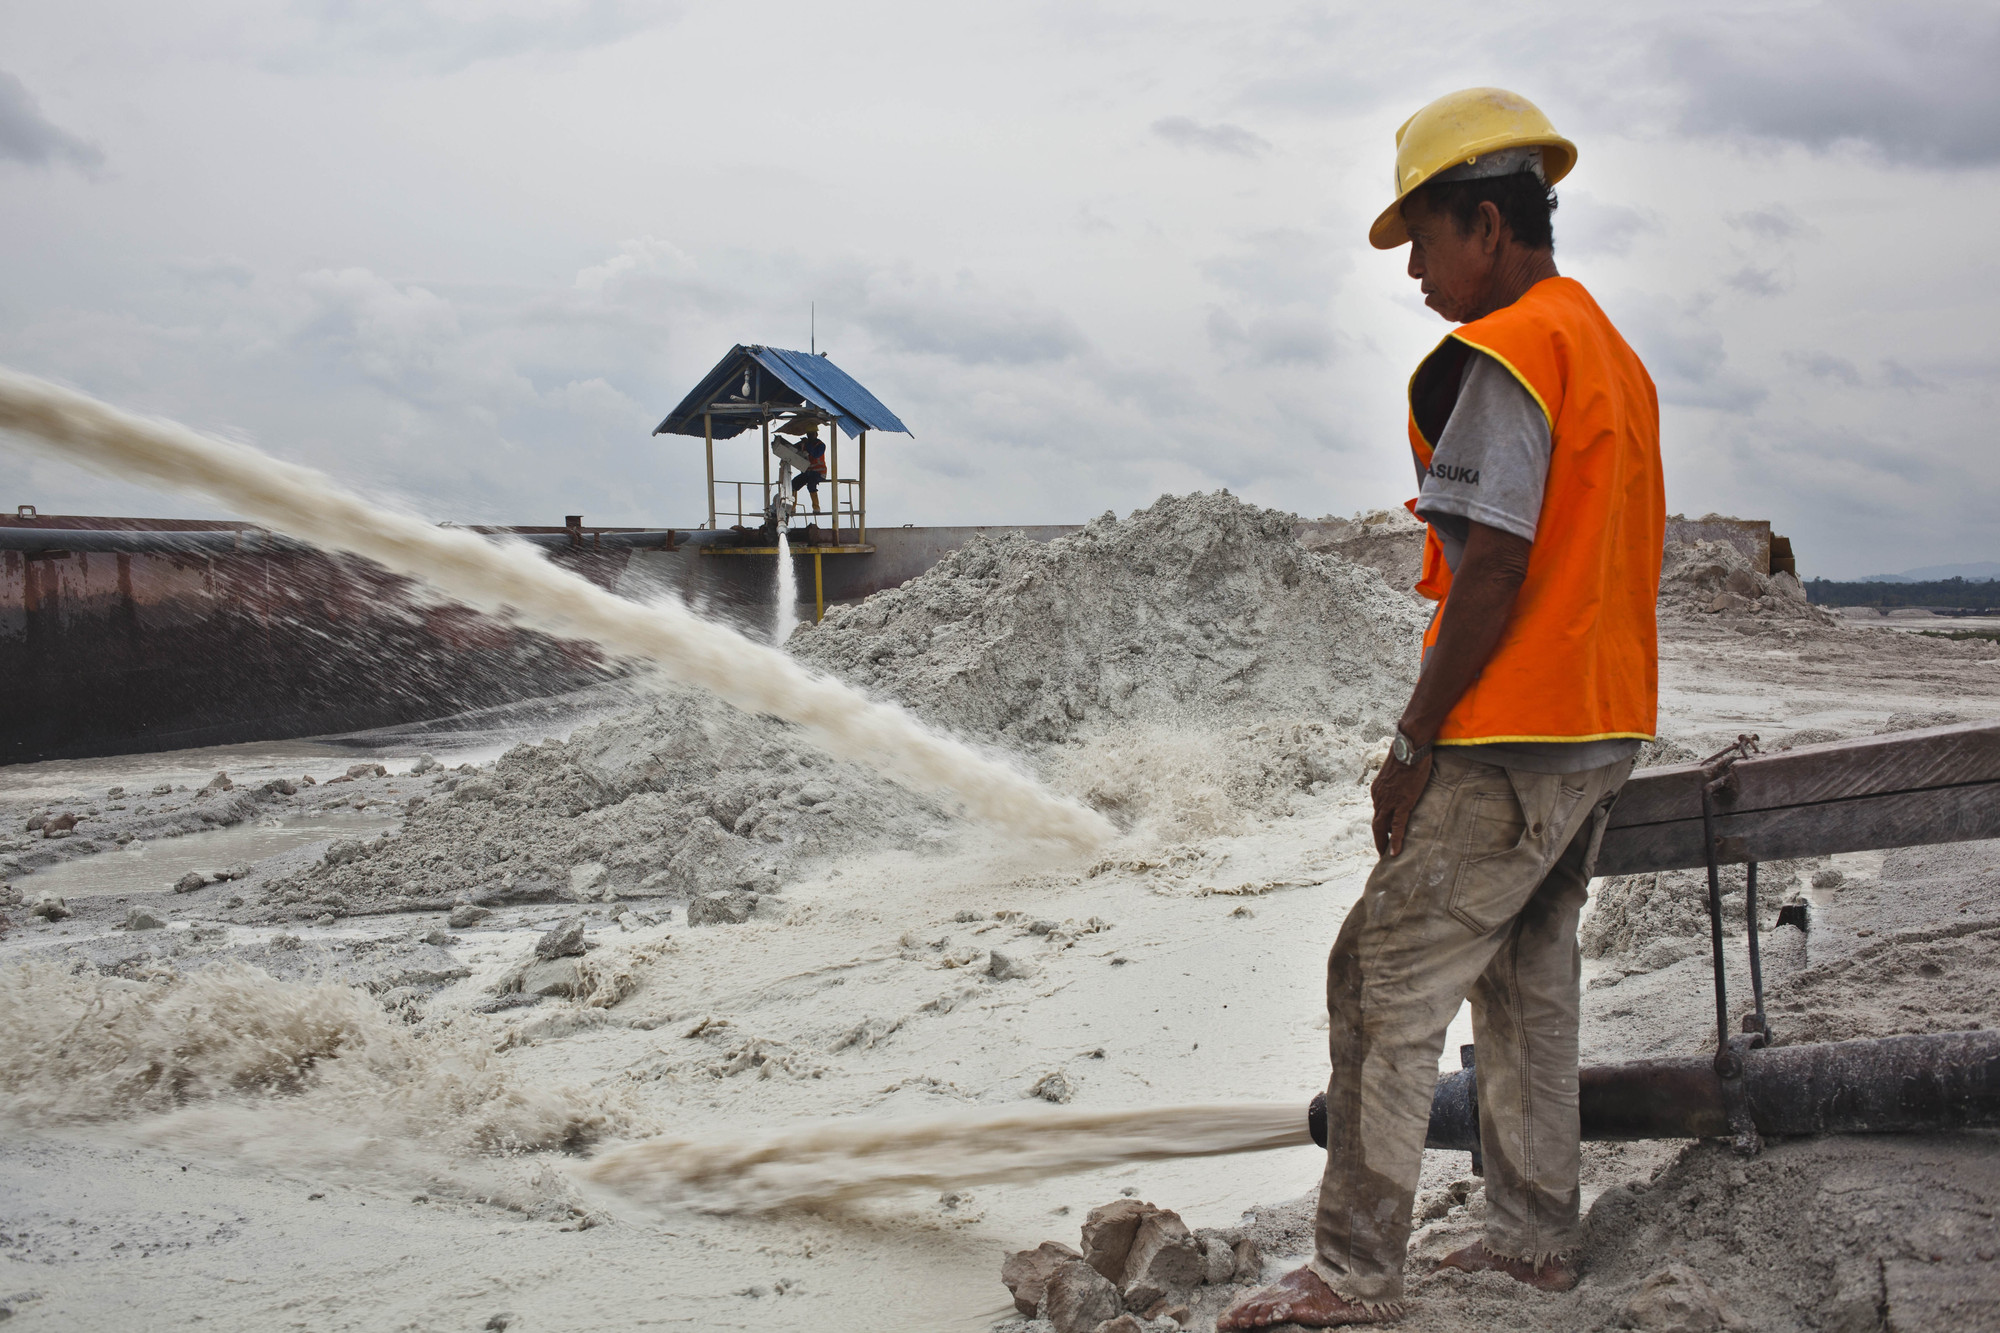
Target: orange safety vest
1579, 659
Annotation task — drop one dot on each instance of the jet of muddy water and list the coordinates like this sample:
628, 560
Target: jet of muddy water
844, 1160
788, 588
512, 580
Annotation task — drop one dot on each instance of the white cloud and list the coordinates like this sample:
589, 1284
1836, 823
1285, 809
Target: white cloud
1587, 226
1272, 340
400, 336
597, 400
1774, 222
1688, 357
1222, 137
645, 256
1755, 280
442, 36
965, 322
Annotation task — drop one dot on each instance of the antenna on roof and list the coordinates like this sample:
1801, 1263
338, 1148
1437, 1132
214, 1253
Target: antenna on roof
812, 327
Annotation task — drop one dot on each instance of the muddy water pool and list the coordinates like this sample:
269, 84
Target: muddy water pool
149, 865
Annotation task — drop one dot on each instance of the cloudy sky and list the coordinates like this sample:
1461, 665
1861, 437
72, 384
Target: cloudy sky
466, 253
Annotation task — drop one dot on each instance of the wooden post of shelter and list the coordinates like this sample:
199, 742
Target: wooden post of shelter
833, 473
708, 438
767, 462
861, 517
819, 590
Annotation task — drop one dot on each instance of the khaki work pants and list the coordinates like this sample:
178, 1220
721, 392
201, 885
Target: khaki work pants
1483, 901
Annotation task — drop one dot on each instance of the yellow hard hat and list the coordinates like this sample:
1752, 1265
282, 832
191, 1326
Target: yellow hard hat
1457, 130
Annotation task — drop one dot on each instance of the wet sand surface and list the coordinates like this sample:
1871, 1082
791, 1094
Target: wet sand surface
1182, 967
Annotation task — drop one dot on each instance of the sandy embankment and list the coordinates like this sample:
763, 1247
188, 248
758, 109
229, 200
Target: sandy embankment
896, 961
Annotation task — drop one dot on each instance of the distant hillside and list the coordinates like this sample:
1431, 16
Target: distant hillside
1980, 570
1953, 592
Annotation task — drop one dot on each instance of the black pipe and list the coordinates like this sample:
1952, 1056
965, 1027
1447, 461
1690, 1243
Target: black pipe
125, 540
1892, 1085
663, 539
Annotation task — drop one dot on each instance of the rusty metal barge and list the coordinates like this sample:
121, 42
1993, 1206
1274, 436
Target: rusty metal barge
126, 635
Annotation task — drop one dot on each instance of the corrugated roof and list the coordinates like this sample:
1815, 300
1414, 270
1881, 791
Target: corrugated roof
782, 381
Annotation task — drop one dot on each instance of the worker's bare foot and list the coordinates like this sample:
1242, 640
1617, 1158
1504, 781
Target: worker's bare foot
1299, 1297
1550, 1275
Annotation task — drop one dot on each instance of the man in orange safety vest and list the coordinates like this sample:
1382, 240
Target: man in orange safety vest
1535, 434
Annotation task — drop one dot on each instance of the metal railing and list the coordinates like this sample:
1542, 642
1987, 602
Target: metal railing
846, 514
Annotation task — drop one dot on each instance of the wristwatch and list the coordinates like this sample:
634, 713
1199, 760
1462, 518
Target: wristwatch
1403, 752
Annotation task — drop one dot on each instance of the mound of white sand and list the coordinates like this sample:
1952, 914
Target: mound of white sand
1198, 611
684, 796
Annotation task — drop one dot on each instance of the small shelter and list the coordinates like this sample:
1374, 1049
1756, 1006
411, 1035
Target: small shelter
763, 387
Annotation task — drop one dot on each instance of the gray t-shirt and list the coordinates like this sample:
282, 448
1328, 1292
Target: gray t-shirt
1491, 465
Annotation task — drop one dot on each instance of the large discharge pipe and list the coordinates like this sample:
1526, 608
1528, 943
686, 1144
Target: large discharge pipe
1894, 1085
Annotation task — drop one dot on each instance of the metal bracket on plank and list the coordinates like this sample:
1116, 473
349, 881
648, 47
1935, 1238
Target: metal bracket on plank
1719, 780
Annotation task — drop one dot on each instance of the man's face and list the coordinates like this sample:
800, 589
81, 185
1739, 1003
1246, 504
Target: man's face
1453, 267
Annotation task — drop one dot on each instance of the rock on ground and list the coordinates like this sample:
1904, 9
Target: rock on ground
563, 941
1676, 1300
1077, 1299
1027, 1272
1164, 1261
1149, 1256
1108, 1233
721, 909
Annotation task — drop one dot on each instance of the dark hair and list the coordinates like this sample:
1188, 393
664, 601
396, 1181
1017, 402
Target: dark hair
1526, 205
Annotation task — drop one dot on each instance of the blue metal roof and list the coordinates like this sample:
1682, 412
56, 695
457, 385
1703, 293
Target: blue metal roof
771, 377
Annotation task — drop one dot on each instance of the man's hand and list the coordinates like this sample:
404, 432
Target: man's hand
1396, 789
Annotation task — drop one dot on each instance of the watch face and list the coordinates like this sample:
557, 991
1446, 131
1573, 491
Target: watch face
1400, 747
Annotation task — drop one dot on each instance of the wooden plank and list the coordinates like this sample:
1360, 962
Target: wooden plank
1960, 813
1875, 765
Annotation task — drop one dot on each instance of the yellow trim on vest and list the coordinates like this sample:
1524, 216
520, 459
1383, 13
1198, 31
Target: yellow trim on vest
1410, 396
1549, 740
1513, 370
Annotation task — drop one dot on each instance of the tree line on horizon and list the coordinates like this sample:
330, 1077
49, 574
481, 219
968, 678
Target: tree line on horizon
1955, 593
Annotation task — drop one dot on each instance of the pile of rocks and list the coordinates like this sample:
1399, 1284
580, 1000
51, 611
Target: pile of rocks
1703, 578
1388, 541
1140, 1271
